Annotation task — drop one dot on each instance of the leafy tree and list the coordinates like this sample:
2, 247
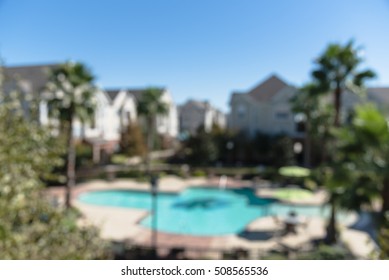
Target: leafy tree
30, 227
337, 69
282, 151
132, 142
383, 239
150, 106
202, 148
70, 95
365, 143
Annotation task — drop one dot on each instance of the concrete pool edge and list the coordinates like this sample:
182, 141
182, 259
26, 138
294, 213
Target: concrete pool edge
117, 230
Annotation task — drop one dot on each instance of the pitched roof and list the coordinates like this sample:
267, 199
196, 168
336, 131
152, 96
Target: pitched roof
36, 75
196, 103
112, 93
137, 92
267, 89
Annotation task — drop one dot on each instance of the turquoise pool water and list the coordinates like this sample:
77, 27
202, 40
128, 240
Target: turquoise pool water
200, 211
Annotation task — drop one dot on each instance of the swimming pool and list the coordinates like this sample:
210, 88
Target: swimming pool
199, 211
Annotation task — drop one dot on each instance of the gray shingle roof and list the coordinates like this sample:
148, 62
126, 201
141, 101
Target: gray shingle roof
136, 92
196, 103
267, 89
112, 93
35, 75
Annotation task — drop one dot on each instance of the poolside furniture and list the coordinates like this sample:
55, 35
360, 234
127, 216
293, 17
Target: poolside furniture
291, 222
276, 219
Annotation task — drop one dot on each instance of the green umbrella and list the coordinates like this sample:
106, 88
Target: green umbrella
294, 171
292, 194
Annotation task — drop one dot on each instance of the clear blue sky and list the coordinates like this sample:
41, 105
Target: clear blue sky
201, 49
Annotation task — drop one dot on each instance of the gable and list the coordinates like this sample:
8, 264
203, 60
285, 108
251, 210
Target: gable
31, 79
284, 95
267, 89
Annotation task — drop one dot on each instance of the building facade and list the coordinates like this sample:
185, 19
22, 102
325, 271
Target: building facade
265, 108
195, 114
115, 108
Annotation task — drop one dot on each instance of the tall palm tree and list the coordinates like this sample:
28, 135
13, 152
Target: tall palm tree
150, 106
70, 95
337, 69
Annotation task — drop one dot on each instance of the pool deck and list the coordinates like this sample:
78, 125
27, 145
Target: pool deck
260, 236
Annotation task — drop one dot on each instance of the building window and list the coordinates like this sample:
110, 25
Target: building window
241, 110
282, 115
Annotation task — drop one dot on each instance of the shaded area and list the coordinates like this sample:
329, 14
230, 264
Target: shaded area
205, 203
257, 235
367, 222
252, 198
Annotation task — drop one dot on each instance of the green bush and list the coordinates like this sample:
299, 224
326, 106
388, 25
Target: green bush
325, 252
136, 174
84, 154
199, 173
30, 226
119, 159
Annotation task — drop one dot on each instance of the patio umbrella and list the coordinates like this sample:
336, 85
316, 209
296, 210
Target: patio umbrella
292, 193
294, 171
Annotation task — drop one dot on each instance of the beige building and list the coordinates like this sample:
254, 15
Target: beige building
194, 114
265, 108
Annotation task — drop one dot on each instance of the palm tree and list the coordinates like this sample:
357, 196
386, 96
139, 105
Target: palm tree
360, 170
70, 95
306, 103
150, 106
337, 69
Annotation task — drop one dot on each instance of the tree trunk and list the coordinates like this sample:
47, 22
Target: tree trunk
70, 164
323, 153
150, 139
307, 144
338, 105
331, 229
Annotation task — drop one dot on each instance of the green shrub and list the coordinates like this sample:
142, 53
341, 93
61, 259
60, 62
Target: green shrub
119, 159
325, 252
199, 173
84, 154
